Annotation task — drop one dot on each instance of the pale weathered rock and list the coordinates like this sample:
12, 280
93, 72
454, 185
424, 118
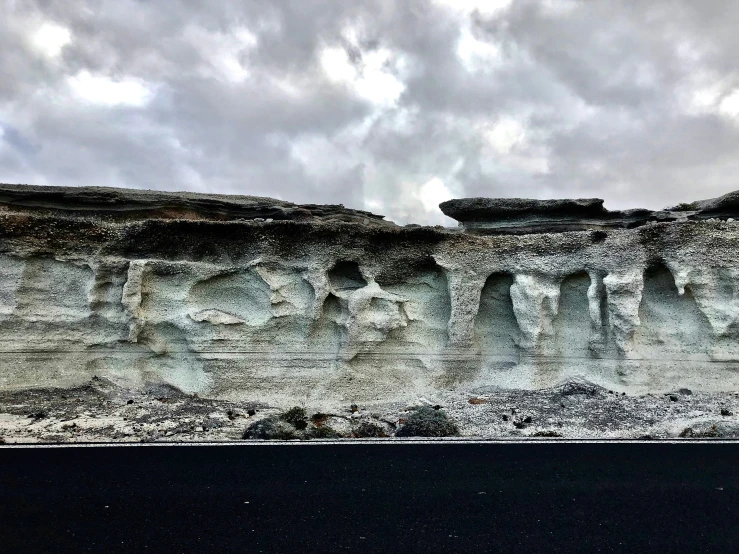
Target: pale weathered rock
325, 306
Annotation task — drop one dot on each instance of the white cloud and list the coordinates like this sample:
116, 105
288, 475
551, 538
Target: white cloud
558, 7
50, 39
336, 64
505, 135
223, 53
484, 7
512, 149
729, 104
372, 80
475, 54
705, 98
432, 193
320, 156
104, 91
709, 96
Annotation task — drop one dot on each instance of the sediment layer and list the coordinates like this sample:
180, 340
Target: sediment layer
245, 299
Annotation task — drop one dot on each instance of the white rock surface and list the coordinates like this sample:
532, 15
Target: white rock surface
333, 310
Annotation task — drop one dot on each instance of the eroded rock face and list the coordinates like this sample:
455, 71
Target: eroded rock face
242, 298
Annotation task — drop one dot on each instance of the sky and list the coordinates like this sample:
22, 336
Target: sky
390, 106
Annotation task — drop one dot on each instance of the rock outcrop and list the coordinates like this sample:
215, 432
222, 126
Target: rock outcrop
244, 298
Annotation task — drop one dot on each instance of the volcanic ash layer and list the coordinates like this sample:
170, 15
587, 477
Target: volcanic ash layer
251, 300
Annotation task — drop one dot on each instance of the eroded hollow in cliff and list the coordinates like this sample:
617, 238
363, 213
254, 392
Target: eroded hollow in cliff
427, 309
496, 330
346, 275
572, 326
329, 331
672, 326
243, 294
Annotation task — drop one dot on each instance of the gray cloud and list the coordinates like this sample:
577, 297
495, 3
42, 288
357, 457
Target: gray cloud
381, 105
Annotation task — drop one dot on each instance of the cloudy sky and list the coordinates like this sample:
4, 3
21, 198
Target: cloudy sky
385, 105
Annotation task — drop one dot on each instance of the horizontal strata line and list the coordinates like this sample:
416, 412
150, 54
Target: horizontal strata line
393, 355
379, 355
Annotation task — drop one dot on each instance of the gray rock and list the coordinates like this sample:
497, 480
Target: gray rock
145, 204
524, 216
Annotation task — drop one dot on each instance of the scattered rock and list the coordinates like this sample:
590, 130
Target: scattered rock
546, 434
673, 398
527, 419
578, 386
686, 392
324, 432
251, 412
505, 418
689, 432
271, 427
725, 412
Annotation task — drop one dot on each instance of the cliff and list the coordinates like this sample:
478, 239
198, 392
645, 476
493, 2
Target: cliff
239, 298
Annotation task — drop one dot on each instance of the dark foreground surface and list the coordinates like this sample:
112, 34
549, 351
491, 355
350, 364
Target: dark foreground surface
372, 498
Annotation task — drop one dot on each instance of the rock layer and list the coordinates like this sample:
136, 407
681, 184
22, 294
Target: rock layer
244, 298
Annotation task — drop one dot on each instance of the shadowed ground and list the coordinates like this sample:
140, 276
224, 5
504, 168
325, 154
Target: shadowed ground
372, 498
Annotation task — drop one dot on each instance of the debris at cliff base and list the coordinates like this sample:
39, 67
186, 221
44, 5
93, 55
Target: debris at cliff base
99, 412
270, 428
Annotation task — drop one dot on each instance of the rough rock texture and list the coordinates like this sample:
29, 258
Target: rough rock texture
518, 216
130, 204
254, 300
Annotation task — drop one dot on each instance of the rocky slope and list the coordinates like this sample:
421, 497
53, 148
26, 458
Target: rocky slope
255, 300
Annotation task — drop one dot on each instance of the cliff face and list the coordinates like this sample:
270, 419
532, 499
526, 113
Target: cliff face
240, 298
